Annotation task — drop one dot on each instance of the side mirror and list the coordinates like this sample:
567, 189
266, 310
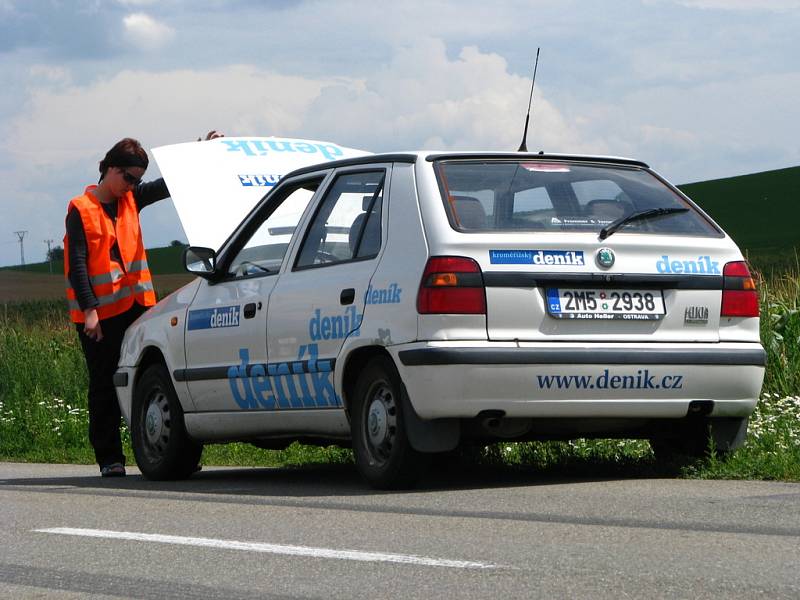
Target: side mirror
200, 261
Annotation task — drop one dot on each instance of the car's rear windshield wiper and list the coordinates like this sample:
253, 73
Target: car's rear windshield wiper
650, 213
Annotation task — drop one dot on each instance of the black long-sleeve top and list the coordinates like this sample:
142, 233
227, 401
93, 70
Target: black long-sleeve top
144, 194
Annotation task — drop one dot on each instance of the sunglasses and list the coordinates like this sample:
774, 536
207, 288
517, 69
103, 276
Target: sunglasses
130, 179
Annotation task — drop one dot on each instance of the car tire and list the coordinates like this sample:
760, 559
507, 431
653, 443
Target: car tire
696, 438
162, 448
383, 453
694, 442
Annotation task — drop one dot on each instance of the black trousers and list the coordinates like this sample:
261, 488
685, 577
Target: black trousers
101, 360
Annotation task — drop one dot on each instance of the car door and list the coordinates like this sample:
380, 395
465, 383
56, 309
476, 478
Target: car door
319, 301
226, 325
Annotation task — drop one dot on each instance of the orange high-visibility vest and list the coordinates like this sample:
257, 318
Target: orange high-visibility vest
115, 285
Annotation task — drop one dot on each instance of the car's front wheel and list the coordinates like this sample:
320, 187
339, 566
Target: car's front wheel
162, 448
383, 454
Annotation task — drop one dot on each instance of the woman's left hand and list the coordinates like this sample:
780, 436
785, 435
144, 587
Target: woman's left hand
212, 135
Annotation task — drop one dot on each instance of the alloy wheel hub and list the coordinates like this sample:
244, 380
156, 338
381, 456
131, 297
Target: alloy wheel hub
154, 422
377, 422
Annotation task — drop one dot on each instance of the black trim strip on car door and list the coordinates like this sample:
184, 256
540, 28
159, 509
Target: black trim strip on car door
295, 367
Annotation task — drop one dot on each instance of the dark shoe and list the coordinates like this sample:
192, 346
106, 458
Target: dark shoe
113, 470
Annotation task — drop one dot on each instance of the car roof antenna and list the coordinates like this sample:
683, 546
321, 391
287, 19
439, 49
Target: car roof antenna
523, 147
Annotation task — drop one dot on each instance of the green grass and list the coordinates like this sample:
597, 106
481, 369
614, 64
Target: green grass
43, 409
43, 383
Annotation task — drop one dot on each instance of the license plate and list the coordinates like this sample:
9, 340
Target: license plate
631, 305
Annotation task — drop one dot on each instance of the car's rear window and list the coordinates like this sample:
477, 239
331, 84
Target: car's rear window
530, 195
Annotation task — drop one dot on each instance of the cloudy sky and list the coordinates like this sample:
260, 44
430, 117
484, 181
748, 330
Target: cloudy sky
699, 89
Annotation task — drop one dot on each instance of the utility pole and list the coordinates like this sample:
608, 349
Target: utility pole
21, 236
49, 256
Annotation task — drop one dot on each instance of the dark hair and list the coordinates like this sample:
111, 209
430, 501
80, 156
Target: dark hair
127, 152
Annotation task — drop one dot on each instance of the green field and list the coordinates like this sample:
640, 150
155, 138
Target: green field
760, 212
162, 261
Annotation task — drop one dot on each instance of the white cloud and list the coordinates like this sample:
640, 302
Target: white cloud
145, 32
50, 74
157, 108
706, 130
422, 98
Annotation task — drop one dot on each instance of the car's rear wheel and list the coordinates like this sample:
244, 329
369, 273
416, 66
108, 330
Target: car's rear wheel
671, 450
383, 454
699, 437
162, 448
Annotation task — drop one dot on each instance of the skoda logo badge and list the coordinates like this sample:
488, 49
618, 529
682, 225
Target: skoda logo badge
605, 257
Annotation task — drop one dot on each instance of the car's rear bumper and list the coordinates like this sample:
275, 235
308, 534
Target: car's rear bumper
463, 379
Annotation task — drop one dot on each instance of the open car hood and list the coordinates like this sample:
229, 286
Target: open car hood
215, 183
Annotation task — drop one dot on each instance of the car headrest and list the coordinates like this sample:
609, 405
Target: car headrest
470, 212
604, 207
365, 202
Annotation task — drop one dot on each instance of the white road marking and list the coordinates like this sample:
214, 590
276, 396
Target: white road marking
408, 559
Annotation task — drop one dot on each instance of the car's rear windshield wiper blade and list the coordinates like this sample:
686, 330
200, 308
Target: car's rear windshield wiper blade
650, 213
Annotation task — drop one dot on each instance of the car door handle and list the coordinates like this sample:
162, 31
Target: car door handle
347, 296
250, 310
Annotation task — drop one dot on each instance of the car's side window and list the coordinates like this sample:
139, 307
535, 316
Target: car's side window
347, 224
265, 248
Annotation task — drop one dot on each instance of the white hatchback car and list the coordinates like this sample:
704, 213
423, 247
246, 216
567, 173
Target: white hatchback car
409, 303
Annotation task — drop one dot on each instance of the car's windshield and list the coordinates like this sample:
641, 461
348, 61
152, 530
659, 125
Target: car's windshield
530, 195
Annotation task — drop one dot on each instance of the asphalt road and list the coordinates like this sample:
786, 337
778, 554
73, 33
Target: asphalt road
320, 533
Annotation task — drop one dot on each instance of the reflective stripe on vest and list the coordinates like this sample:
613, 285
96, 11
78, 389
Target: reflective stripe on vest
115, 275
124, 292
96, 280
136, 265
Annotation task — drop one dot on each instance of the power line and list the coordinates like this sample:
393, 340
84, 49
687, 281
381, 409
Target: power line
21, 236
49, 256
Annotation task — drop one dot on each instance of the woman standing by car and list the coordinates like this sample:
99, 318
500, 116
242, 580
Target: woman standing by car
108, 281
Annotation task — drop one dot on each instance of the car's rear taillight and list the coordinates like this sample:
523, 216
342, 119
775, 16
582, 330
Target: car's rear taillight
739, 295
451, 285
